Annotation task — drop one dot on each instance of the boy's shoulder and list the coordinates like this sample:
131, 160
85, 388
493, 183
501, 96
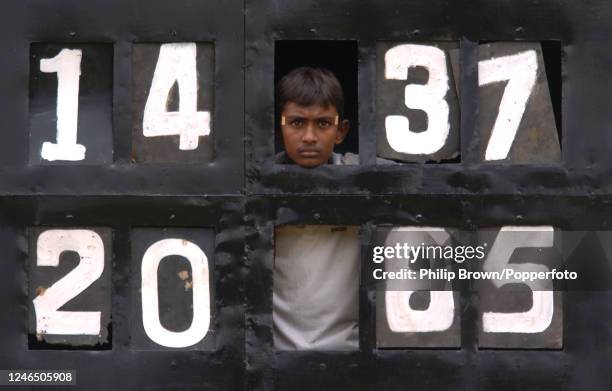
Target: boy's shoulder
336, 158
340, 159
348, 158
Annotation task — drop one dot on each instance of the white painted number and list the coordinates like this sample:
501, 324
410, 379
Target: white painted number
439, 315
67, 65
520, 71
201, 296
428, 97
90, 248
403, 319
177, 62
539, 317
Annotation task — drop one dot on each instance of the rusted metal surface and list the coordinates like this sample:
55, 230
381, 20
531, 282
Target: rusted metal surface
242, 195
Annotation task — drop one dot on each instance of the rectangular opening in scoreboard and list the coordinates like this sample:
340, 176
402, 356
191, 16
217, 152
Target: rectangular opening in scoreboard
173, 289
316, 105
515, 314
519, 102
417, 105
173, 103
71, 98
414, 312
69, 286
316, 288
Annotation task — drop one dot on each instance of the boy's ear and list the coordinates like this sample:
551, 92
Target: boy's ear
343, 128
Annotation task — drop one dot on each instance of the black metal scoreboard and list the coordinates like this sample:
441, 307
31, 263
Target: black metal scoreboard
139, 194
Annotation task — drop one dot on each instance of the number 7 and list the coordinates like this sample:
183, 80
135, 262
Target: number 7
520, 70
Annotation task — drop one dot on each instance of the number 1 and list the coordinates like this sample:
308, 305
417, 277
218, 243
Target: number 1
67, 65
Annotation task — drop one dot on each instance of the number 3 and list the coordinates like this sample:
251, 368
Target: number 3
428, 97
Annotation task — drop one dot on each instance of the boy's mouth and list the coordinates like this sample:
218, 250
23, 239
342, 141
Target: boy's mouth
308, 152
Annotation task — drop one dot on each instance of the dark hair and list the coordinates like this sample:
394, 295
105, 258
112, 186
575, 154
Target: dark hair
308, 86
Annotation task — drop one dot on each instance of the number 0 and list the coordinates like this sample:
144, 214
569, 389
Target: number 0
201, 295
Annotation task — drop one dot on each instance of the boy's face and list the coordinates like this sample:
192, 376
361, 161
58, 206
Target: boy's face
310, 133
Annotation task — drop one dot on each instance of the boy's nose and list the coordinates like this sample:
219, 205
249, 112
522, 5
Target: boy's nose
309, 135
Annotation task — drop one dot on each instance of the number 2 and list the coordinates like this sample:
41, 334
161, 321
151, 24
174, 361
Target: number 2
49, 247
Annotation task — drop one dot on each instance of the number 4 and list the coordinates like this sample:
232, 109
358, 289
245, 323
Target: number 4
177, 62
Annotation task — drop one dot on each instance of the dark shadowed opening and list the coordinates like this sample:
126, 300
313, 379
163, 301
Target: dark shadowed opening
341, 58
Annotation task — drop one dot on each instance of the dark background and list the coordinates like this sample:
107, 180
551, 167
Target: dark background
229, 194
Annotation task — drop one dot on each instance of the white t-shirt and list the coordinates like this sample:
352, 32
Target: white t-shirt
316, 288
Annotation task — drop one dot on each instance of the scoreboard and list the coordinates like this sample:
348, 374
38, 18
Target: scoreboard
140, 198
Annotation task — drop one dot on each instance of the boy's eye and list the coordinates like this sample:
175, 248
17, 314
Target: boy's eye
323, 123
296, 123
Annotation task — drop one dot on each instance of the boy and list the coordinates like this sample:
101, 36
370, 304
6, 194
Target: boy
316, 267
311, 104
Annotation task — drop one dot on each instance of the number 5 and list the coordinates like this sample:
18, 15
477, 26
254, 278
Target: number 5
539, 317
